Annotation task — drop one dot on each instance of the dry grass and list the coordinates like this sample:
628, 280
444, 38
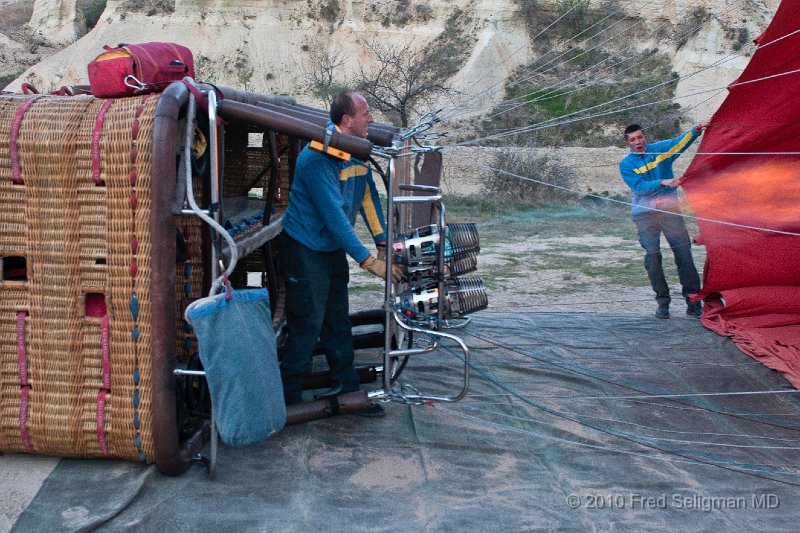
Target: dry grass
558, 258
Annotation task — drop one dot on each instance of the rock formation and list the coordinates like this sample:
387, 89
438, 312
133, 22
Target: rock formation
267, 45
58, 22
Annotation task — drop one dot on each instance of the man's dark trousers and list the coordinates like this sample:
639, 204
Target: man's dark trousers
650, 225
316, 307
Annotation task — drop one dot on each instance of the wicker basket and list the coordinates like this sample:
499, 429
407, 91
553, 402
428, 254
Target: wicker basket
75, 197
91, 297
92, 293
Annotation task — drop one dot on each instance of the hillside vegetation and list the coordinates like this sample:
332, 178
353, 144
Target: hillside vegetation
569, 72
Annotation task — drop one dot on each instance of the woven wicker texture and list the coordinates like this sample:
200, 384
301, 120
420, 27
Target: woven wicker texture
189, 276
77, 238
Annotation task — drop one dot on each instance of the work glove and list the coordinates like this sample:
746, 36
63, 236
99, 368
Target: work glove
381, 251
378, 267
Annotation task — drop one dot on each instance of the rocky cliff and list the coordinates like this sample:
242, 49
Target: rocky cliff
269, 45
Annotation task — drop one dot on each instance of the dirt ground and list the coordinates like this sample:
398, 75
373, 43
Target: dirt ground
595, 265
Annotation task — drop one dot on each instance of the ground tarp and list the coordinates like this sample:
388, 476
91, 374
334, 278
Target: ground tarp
572, 423
744, 185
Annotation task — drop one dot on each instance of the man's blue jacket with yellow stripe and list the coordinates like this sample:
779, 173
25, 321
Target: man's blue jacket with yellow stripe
643, 173
326, 195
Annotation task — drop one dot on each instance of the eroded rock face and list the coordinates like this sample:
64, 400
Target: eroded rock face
267, 45
57, 21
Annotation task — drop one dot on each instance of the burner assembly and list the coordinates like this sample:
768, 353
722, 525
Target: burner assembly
436, 289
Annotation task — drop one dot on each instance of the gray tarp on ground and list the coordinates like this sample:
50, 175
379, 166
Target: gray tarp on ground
495, 462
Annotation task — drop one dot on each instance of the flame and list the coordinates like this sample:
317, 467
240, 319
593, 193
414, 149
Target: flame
765, 195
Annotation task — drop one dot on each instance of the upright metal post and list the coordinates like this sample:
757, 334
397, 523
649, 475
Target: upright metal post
388, 303
214, 156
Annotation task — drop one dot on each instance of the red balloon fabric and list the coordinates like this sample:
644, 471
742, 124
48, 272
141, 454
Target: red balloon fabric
744, 186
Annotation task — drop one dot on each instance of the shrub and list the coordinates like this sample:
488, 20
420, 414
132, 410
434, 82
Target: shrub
150, 7
329, 10
15, 16
547, 179
8, 77
573, 13
555, 100
739, 36
91, 9
690, 25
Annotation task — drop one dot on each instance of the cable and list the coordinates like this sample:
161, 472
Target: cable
475, 97
633, 385
537, 70
553, 121
594, 374
531, 433
685, 441
720, 462
671, 395
613, 200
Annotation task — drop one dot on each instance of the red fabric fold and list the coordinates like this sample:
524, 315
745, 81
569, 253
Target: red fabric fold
744, 185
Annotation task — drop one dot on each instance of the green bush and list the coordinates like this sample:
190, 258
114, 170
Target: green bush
555, 100
329, 10
92, 10
150, 7
8, 77
548, 181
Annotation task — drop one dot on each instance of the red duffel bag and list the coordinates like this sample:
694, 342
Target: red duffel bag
138, 68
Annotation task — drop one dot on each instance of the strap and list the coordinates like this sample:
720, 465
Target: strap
13, 148
96, 135
202, 99
100, 420
64, 90
325, 147
328, 134
106, 353
22, 355
334, 406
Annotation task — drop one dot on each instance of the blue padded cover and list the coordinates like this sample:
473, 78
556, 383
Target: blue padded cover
240, 358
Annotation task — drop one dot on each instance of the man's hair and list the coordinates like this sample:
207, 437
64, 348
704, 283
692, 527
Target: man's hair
341, 105
632, 128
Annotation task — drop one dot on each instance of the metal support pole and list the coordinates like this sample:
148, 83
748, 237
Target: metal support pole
388, 301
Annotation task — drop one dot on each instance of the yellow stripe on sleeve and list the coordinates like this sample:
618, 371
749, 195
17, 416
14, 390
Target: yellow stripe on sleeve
352, 171
666, 155
373, 221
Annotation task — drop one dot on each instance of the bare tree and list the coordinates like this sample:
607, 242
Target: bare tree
397, 79
321, 71
401, 77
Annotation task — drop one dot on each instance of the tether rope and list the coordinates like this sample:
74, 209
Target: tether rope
537, 70
552, 122
528, 432
484, 92
579, 369
641, 91
699, 457
680, 441
622, 202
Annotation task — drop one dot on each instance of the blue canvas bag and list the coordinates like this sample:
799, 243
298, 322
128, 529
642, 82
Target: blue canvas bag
240, 358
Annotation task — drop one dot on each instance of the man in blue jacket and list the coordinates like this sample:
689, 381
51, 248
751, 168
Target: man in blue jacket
327, 193
647, 170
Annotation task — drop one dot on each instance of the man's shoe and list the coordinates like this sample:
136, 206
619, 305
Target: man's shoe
662, 312
694, 309
374, 410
